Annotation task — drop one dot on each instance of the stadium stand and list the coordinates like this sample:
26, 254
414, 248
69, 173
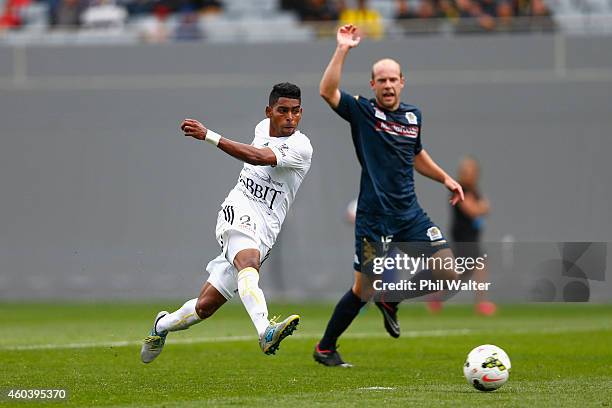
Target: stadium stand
129, 21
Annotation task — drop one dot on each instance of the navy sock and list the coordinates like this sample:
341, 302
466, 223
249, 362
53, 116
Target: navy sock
345, 312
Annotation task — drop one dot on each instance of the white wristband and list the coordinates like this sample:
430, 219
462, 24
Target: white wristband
213, 137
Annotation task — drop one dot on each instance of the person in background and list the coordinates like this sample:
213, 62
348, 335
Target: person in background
156, 30
473, 18
321, 15
188, 28
104, 15
367, 19
466, 231
424, 9
66, 14
10, 17
318, 10
208, 7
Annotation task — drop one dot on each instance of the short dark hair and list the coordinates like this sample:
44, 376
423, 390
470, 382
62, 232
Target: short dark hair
284, 90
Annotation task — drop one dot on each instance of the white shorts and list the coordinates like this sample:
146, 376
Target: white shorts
236, 230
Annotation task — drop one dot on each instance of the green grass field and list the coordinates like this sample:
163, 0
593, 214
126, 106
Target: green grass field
561, 356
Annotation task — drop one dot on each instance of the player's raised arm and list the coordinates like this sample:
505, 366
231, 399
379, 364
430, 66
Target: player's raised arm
424, 164
329, 88
244, 152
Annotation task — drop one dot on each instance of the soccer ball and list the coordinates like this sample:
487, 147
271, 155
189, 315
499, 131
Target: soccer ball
487, 367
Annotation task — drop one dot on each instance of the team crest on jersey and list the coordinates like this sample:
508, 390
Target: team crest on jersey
379, 114
412, 118
283, 149
434, 233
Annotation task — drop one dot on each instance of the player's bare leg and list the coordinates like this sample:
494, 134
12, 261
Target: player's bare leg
444, 273
483, 305
192, 312
435, 302
270, 333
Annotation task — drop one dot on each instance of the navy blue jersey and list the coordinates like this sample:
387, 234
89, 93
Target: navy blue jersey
386, 143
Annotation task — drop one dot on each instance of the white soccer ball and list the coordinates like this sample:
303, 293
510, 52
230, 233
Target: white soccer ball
487, 367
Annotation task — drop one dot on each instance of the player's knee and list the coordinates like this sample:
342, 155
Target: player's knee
205, 309
365, 292
246, 261
445, 273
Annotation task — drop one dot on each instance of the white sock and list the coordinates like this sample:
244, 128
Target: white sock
253, 298
181, 319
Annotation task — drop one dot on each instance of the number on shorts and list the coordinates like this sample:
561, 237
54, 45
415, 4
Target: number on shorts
386, 240
246, 221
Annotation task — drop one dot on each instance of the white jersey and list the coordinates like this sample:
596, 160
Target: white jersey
267, 192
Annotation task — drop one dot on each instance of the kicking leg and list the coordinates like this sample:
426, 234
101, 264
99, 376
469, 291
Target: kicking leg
192, 312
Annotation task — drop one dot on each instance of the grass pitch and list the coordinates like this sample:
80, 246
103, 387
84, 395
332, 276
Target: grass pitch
561, 356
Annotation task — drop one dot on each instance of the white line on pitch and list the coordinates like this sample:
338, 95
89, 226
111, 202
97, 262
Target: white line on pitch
197, 340
310, 336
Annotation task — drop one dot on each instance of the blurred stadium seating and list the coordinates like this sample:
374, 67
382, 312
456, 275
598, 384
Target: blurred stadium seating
70, 21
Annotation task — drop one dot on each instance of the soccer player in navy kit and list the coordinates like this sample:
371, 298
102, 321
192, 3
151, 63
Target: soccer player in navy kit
386, 134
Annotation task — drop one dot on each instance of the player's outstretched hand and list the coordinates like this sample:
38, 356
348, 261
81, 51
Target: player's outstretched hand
347, 36
193, 128
455, 189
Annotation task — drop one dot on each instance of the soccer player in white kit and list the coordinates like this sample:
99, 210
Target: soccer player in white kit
275, 164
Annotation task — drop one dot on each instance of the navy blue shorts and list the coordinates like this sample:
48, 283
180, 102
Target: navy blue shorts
414, 227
